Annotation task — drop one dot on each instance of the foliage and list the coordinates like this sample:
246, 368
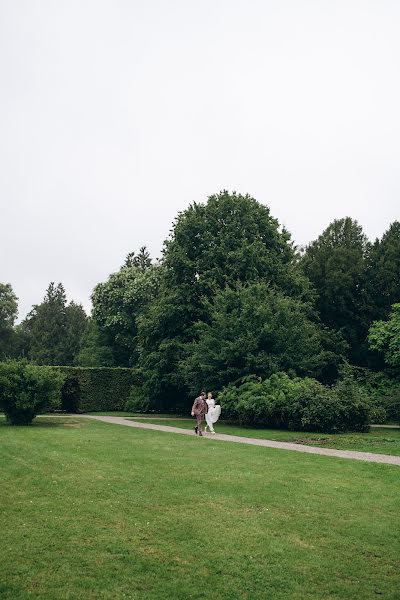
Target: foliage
335, 263
296, 404
384, 336
8, 314
94, 349
118, 303
382, 390
229, 240
232, 238
255, 329
100, 388
141, 261
137, 401
383, 273
53, 329
27, 390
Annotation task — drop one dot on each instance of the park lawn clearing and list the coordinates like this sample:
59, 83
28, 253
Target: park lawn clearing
379, 439
94, 510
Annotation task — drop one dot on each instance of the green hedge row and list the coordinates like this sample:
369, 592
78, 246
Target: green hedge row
96, 388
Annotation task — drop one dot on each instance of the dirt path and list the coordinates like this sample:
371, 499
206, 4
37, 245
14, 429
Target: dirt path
366, 456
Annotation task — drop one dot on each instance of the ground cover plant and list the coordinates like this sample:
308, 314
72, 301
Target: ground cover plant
92, 510
381, 440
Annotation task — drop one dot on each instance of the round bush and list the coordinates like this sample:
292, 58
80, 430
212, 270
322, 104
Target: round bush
28, 390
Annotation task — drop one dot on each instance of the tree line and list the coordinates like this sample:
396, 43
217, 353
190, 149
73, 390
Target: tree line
232, 296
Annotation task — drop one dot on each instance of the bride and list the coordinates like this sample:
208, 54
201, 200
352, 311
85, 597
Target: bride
213, 413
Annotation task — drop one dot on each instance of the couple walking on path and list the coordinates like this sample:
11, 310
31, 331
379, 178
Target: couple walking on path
207, 408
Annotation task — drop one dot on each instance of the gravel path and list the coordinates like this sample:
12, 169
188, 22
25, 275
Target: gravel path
366, 456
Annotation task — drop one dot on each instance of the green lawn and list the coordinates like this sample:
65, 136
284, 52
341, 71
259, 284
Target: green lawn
380, 440
91, 510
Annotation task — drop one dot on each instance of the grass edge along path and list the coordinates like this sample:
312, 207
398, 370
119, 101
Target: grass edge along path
378, 440
348, 454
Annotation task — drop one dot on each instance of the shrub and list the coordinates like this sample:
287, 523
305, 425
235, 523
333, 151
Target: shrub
137, 401
28, 390
381, 389
296, 404
392, 405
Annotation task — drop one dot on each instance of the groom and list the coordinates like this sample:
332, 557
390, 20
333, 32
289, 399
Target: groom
199, 409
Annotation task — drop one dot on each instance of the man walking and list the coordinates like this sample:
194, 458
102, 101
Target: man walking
199, 409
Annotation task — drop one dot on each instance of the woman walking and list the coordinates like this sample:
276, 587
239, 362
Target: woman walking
213, 413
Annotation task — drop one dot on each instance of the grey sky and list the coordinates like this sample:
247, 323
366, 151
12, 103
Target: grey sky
116, 115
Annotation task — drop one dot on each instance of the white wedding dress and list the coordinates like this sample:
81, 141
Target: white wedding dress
213, 414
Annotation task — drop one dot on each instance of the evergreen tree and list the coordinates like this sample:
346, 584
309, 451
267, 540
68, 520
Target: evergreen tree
335, 263
141, 261
255, 330
53, 329
383, 273
76, 320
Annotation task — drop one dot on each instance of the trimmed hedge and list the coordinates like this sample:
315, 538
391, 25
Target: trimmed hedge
96, 388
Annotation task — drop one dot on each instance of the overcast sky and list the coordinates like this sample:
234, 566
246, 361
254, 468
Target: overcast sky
116, 115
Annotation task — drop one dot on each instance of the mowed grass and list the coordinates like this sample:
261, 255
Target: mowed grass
380, 439
93, 510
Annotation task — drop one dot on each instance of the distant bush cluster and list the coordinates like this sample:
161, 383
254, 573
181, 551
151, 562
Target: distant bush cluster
28, 390
297, 404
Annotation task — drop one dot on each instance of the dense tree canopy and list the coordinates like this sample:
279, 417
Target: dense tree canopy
257, 330
230, 240
118, 302
231, 297
94, 349
335, 264
383, 273
53, 329
8, 314
384, 336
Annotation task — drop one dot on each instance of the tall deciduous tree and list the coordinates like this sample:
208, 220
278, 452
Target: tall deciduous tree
232, 239
335, 263
118, 302
8, 314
